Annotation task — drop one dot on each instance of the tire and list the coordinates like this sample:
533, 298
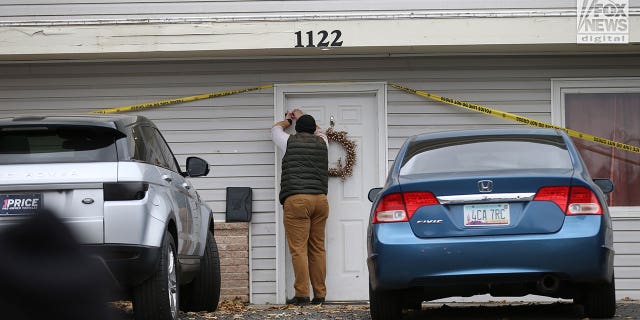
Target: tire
600, 300
203, 293
157, 297
384, 305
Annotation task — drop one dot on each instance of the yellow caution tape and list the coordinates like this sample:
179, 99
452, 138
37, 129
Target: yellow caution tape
463, 104
162, 103
519, 119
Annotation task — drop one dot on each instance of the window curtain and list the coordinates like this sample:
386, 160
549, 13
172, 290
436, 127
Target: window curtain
614, 116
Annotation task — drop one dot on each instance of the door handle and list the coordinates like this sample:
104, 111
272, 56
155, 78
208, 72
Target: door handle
186, 186
166, 178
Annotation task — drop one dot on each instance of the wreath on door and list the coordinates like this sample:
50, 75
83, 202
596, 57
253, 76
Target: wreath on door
349, 147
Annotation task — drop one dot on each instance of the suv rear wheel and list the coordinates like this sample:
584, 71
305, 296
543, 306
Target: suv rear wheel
203, 293
157, 297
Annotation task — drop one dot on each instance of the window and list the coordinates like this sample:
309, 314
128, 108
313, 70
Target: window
172, 164
156, 150
486, 154
57, 143
138, 145
150, 150
608, 108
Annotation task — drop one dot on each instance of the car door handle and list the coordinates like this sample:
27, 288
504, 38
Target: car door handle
166, 178
186, 186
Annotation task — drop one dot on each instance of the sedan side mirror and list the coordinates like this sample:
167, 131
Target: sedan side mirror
197, 167
606, 185
373, 193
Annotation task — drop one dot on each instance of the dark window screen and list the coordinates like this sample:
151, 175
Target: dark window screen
614, 116
57, 143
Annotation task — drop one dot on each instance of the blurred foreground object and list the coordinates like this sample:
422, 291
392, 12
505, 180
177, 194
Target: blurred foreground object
46, 275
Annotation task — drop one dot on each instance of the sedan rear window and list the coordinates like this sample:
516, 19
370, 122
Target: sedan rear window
57, 143
486, 154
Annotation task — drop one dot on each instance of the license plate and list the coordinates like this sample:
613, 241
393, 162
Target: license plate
20, 203
491, 214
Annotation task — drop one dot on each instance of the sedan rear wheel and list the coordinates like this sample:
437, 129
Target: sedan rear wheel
600, 300
384, 305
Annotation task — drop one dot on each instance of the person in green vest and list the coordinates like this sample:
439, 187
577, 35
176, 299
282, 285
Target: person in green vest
303, 194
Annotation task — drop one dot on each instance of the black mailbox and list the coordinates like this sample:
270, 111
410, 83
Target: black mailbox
239, 204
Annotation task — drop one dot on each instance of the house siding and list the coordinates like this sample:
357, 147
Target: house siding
48, 10
232, 132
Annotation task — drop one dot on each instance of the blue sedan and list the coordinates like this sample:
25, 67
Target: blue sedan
503, 212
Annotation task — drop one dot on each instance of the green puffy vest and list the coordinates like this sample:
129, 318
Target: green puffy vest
305, 166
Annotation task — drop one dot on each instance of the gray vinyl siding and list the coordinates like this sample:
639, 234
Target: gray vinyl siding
627, 261
31, 10
232, 132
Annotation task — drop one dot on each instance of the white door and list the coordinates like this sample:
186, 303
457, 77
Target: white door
358, 114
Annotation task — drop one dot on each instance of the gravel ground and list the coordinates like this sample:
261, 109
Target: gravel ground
230, 310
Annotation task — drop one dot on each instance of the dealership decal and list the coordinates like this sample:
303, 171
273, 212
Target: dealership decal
20, 203
603, 21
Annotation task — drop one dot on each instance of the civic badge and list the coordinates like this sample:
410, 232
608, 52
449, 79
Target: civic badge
430, 221
485, 185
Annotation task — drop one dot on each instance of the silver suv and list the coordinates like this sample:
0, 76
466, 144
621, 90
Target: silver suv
115, 182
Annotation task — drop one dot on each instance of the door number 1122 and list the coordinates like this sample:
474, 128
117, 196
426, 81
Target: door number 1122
325, 38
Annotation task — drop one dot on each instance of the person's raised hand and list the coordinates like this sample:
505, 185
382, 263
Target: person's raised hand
297, 113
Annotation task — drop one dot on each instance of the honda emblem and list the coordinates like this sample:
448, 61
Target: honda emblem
485, 185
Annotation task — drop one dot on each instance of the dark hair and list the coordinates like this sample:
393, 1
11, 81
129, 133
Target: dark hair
306, 123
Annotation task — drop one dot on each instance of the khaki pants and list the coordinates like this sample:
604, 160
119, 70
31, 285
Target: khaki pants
305, 217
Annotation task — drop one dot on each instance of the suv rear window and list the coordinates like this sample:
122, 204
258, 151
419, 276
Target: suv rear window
486, 154
57, 143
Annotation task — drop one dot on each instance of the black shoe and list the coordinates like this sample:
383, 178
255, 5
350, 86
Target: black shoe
319, 300
298, 301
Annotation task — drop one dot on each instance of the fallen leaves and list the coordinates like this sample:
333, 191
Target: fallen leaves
124, 306
234, 305
236, 309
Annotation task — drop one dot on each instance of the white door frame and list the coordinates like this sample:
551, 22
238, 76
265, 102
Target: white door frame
280, 93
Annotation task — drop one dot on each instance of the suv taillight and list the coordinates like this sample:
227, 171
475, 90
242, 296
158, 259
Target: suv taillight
120, 191
576, 200
399, 207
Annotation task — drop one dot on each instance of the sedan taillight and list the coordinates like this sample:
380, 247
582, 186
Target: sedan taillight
558, 195
583, 201
400, 207
576, 200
